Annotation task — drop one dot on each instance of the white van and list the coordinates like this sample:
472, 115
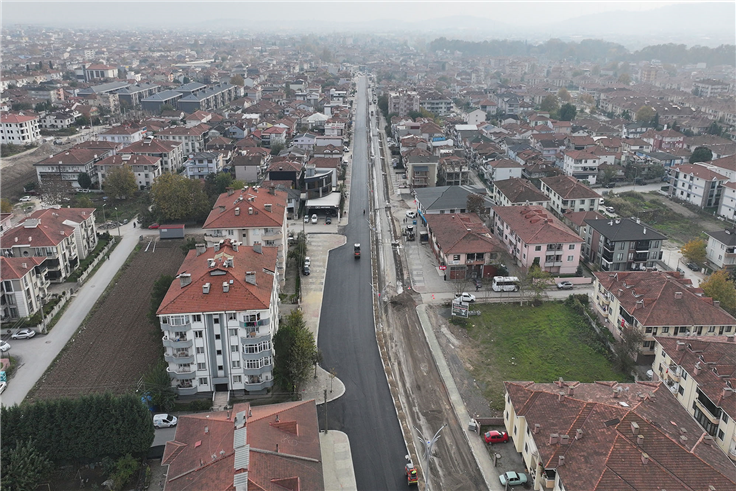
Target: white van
164, 420
505, 284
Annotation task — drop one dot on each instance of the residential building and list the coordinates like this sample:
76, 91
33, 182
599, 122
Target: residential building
24, 286
145, 169
219, 317
170, 152
622, 244
582, 165
710, 88
436, 104
454, 171
402, 102
96, 71
605, 436
476, 117
64, 236
665, 140
208, 98
249, 216
273, 136
156, 103
567, 193
449, 199
532, 235
58, 120
421, 170
720, 250
63, 168
248, 167
5, 222
194, 138
462, 243
518, 192
502, 169
699, 372
19, 129
132, 95
124, 134
241, 449
657, 303
696, 184
727, 207
201, 164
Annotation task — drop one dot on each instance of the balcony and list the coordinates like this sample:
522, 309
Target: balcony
180, 328
275, 234
256, 356
706, 412
181, 358
674, 373
176, 343
186, 391
259, 386
181, 374
257, 371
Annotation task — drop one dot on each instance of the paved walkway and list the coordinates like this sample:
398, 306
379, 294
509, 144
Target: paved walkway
337, 461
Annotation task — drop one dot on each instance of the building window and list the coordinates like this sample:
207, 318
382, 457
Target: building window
526, 448
203, 381
538, 248
236, 363
200, 350
201, 366
456, 257
648, 331
712, 329
217, 336
724, 417
233, 348
198, 334
571, 247
237, 379
231, 316
681, 390
570, 258
220, 368
197, 318
720, 435
219, 352
665, 330
233, 332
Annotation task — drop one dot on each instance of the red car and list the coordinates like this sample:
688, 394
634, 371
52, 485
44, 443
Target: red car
496, 437
153, 225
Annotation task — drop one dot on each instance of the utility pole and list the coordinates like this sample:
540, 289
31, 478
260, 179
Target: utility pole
326, 425
117, 217
428, 444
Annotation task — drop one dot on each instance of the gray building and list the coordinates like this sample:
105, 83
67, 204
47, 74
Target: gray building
154, 103
621, 244
449, 199
172, 231
134, 94
209, 98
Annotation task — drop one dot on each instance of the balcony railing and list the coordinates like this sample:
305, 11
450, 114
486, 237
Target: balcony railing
182, 358
176, 343
181, 374
179, 328
186, 391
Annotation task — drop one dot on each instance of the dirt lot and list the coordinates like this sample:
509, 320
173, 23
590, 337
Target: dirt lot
18, 170
118, 344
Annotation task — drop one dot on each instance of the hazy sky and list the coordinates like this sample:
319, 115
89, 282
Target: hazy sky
165, 14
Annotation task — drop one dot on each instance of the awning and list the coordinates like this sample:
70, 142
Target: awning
332, 200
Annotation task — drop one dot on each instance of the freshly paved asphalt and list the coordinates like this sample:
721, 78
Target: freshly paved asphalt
348, 343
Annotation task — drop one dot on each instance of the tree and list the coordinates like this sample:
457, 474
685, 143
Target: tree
276, 148
237, 80
160, 288
644, 114
120, 182
608, 174
84, 180
567, 112
53, 191
83, 202
624, 78
694, 250
537, 281
701, 154
177, 198
476, 204
550, 104
6, 206
714, 129
295, 352
720, 287
157, 385
24, 467
564, 95
626, 350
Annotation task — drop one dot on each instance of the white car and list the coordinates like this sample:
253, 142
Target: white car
307, 261
4, 346
24, 333
25, 199
411, 214
164, 420
314, 218
306, 218
465, 297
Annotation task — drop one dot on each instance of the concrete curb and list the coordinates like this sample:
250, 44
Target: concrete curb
337, 461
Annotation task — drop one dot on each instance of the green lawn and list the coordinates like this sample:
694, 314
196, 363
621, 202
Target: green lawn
535, 343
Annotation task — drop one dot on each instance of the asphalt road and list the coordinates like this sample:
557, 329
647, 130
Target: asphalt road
348, 342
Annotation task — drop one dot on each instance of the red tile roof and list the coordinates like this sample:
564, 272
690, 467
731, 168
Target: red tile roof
152, 145
223, 214
15, 118
569, 188
13, 268
46, 228
535, 225
461, 233
519, 190
700, 171
127, 159
73, 156
198, 130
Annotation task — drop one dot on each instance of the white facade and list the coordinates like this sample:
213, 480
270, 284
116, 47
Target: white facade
476, 117
19, 129
581, 166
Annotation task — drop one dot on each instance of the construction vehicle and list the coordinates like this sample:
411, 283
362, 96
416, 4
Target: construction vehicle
411, 474
356, 251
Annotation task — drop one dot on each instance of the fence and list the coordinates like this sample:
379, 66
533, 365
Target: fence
103, 254
41, 327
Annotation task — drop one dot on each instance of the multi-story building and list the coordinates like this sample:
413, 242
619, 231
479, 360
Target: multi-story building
454, 171
709, 88
436, 104
194, 138
24, 286
145, 169
582, 165
124, 134
622, 244
132, 95
58, 120
532, 235
403, 102
567, 193
170, 152
219, 317
502, 169
699, 372
517, 192
249, 216
209, 98
64, 168
95, 71
696, 184
63, 236
201, 164
421, 170
720, 251
156, 103
657, 303
19, 129
606, 436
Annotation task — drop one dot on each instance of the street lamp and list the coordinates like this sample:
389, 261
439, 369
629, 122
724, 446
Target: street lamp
428, 444
103, 212
117, 217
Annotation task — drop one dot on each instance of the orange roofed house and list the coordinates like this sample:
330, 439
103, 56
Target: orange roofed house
265, 448
218, 319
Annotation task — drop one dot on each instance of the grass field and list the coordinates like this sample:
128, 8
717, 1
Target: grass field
539, 344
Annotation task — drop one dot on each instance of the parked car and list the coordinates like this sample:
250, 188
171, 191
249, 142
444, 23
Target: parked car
306, 218
478, 283
693, 266
513, 478
305, 270
465, 297
24, 333
328, 221
307, 261
164, 420
411, 214
564, 285
154, 225
314, 218
496, 437
610, 209
611, 185
4, 346
25, 199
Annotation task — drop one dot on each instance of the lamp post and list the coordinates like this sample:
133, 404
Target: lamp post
428, 444
117, 217
103, 212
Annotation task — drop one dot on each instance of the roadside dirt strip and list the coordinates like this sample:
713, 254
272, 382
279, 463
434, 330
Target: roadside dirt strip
117, 344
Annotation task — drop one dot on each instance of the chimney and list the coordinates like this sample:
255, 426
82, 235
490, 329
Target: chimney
536, 428
716, 303
250, 277
680, 346
235, 246
201, 248
634, 428
730, 338
184, 279
257, 247
216, 247
560, 396
578, 434
644, 458
237, 211
616, 392
726, 392
250, 210
560, 460
206, 430
206, 288
645, 231
277, 417
553, 437
571, 391
267, 206
678, 295
222, 208
225, 287
564, 439
640, 440
277, 448
697, 368
230, 191
708, 440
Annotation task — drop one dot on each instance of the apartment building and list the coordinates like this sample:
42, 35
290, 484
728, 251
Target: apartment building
454, 170
502, 169
218, 320
657, 303
208, 98
19, 129
436, 104
403, 102
202, 164
582, 165
95, 71
696, 184
64, 168
720, 251
145, 169
518, 192
532, 235
710, 88
24, 286
134, 94
605, 436
567, 193
194, 138
170, 152
622, 244
124, 134
155, 103
251, 215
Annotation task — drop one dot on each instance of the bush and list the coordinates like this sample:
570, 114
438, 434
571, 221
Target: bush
125, 469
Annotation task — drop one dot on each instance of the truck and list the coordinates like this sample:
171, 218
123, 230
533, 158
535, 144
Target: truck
356, 251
